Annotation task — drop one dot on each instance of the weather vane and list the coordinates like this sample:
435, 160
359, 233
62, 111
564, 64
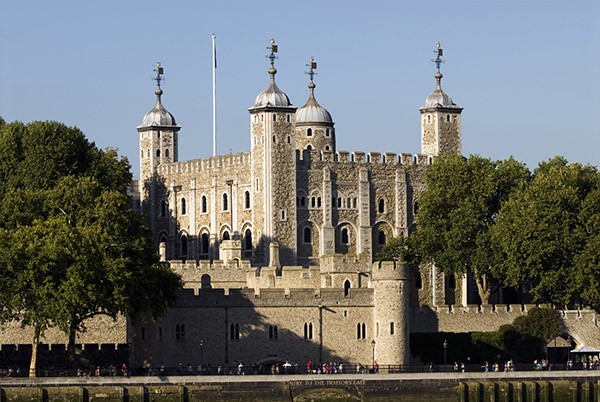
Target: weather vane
159, 70
312, 67
273, 49
440, 52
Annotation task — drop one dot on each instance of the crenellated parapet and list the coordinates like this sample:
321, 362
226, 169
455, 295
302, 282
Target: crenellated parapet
241, 159
363, 158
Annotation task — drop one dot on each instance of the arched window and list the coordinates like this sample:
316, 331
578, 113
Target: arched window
339, 202
273, 332
183, 207
318, 202
326, 147
307, 235
205, 282
346, 288
225, 202
158, 153
354, 202
167, 152
226, 235
309, 132
358, 331
309, 147
247, 199
344, 236
163, 208
313, 202
448, 118
381, 206
274, 117
327, 133
184, 245
381, 237
204, 244
204, 205
248, 243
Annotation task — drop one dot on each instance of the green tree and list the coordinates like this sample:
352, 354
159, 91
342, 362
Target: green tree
548, 234
460, 203
75, 248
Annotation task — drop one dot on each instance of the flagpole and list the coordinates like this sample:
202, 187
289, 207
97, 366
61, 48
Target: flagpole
214, 93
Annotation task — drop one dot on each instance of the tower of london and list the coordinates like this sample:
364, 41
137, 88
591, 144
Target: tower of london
277, 245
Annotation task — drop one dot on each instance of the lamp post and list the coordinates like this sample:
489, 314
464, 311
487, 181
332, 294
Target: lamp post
445, 349
373, 348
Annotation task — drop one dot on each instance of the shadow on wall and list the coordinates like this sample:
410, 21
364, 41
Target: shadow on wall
212, 328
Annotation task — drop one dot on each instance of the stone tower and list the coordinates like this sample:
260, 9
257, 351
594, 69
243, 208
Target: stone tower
440, 120
273, 171
314, 125
391, 312
158, 144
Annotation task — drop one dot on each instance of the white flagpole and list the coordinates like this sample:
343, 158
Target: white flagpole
214, 83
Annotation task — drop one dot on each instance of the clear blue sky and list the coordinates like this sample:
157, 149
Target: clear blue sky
526, 72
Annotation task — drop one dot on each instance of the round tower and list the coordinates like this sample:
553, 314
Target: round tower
440, 119
390, 312
314, 125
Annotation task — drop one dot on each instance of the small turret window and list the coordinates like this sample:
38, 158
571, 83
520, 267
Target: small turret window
327, 133
247, 199
381, 206
225, 202
327, 148
183, 207
309, 132
448, 118
274, 117
166, 153
158, 153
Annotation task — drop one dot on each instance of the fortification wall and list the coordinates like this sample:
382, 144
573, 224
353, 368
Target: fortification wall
582, 325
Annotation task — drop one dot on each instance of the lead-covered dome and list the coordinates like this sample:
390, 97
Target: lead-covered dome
272, 96
158, 116
439, 98
312, 112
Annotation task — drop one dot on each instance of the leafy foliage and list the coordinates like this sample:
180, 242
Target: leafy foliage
75, 248
458, 207
548, 234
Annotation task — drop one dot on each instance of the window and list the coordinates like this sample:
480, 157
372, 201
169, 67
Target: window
225, 202
381, 237
163, 208
418, 281
226, 235
288, 120
289, 138
180, 332
247, 199
361, 331
318, 202
167, 152
158, 153
309, 148
327, 148
309, 132
308, 330
381, 206
354, 202
273, 332
148, 153
313, 202
184, 245
205, 282
274, 140
274, 117
302, 201
183, 207
307, 238
234, 331
283, 214
204, 244
339, 202
344, 235
248, 243
204, 207
415, 207
428, 118
346, 288
391, 328
448, 118
327, 134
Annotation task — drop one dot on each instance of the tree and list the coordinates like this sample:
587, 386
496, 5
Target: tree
460, 203
548, 234
76, 249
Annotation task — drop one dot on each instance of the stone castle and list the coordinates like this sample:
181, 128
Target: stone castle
276, 246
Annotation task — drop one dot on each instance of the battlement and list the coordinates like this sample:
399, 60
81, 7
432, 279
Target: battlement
374, 158
197, 165
207, 265
188, 298
390, 271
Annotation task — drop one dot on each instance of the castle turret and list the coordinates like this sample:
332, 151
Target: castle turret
273, 170
314, 125
158, 144
440, 119
390, 312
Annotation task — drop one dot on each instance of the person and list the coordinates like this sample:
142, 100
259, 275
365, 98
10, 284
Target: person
376, 367
240, 369
286, 366
455, 366
309, 367
462, 367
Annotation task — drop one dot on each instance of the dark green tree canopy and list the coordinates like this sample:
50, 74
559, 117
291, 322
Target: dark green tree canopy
548, 234
74, 248
459, 205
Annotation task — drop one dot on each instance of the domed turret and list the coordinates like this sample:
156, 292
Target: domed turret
440, 119
158, 116
312, 112
314, 125
272, 96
